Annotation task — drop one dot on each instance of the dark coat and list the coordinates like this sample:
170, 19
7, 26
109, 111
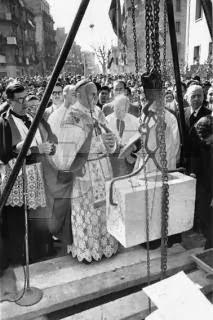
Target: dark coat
190, 122
202, 167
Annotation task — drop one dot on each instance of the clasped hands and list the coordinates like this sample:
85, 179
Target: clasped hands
109, 140
44, 148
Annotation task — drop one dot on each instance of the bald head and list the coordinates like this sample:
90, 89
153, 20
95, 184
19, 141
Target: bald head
194, 95
69, 94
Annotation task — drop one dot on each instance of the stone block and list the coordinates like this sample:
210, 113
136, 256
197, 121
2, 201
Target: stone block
127, 220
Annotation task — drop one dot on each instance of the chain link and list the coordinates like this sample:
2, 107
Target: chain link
164, 42
148, 11
156, 51
135, 39
152, 30
143, 150
161, 128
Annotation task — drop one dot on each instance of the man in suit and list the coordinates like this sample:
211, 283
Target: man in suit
202, 167
193, 113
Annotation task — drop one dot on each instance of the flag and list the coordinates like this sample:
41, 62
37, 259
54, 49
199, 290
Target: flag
124, 24
116, 19
109, 59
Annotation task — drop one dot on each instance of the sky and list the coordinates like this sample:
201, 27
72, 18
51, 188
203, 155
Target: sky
63, 12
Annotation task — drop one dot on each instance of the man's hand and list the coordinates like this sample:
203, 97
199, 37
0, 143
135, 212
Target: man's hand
109, 139
45, 147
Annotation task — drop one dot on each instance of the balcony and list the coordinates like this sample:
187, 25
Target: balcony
11, 41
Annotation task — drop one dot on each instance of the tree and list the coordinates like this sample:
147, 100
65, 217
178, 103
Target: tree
101, 53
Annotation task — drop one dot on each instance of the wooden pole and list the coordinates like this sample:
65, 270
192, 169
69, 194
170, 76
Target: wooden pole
207, 9
173, 39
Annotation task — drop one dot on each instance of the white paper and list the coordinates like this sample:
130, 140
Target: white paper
179, 298
154, 316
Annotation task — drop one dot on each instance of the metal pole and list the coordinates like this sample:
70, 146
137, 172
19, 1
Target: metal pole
56, 71
173, 39
24, 174
29, 295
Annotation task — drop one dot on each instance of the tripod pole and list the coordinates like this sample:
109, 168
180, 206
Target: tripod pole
29, 295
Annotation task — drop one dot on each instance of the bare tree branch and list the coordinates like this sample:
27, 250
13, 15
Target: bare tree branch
101, 54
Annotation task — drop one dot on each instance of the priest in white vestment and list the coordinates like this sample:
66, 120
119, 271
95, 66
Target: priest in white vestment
83, 149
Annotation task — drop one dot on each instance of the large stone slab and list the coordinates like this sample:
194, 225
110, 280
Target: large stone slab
127, 220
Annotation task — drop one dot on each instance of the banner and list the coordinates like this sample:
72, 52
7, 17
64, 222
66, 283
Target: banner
116, 19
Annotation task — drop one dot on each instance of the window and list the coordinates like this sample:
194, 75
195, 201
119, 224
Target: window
178, 5
198, 11
177, 26
196, 54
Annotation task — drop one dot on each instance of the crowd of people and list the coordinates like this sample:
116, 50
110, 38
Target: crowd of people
76, 150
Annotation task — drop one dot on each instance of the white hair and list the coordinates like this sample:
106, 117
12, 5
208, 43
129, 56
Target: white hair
68, 88
191, 89
121, 100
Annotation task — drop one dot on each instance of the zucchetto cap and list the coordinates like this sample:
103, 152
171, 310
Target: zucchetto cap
82, 83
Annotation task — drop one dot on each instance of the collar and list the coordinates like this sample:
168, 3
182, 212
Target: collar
80, 107
23, 117
195, 112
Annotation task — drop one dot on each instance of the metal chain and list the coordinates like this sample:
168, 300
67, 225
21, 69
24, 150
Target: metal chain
161, 128
164, 42
135, 40
152, 30
148, 11
156, 52
143, 150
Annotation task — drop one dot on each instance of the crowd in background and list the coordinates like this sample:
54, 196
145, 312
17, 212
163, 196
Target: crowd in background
37, 84
117, 99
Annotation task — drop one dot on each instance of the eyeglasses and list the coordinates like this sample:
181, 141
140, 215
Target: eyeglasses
56, 93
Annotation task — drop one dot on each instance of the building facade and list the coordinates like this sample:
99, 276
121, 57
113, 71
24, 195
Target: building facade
90, 66
198, 39
18, 51
128, 64
45, 34
60, 36
74, 62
